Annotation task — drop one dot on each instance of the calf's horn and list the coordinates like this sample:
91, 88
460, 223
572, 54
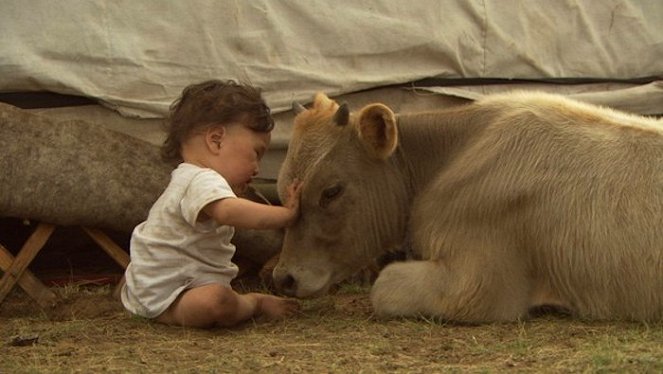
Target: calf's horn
342, 115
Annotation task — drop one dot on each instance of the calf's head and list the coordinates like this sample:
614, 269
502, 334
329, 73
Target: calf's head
352, 200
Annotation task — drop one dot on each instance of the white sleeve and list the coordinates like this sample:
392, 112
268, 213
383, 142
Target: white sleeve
205, 187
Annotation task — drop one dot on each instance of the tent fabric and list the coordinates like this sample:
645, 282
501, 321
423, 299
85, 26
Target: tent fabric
645, 99
135, 56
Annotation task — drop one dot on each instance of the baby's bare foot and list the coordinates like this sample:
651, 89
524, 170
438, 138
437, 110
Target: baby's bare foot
273, 307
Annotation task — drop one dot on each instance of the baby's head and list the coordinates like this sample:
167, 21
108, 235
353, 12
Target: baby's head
213, 103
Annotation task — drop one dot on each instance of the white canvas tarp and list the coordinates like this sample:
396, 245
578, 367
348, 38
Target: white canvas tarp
137, 55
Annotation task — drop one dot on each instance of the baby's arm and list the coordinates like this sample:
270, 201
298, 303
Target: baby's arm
246, 214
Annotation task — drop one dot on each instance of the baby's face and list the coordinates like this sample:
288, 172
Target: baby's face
240, 155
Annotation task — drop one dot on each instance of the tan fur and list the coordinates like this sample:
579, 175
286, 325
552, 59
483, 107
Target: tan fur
515, 201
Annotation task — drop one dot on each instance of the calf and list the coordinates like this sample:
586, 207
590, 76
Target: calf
516, 201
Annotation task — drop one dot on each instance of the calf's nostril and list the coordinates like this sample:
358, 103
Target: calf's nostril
287, 285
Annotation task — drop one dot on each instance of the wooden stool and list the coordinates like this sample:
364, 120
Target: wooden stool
16, 272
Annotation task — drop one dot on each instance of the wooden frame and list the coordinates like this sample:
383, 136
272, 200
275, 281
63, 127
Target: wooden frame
15, 269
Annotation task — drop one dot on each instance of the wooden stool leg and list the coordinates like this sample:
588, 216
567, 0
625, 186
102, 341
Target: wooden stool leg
31, 284
30, 249
113, 250
109, 246
118, 289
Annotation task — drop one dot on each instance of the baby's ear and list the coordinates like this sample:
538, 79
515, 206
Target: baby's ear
214, 137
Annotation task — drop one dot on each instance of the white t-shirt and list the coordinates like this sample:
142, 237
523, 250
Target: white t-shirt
172, 251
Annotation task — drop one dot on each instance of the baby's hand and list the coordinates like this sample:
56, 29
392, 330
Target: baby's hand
274, 307
294, 192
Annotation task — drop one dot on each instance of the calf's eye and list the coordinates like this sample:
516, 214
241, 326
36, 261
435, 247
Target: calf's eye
330, 193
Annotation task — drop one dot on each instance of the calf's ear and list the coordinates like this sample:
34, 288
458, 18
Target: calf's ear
377, 130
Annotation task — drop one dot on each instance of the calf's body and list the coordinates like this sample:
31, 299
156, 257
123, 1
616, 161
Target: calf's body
516, 201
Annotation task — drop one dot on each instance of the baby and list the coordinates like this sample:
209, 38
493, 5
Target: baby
180, 269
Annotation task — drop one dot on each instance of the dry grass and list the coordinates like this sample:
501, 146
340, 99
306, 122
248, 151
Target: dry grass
89, 333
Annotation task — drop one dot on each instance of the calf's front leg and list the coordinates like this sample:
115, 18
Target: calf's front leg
463, 291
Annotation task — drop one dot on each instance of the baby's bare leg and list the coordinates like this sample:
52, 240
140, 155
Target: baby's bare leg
214, 304
209, 305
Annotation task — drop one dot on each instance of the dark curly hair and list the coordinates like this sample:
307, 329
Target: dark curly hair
211, 103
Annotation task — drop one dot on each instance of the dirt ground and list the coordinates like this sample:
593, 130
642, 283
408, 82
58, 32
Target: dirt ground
90, 332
